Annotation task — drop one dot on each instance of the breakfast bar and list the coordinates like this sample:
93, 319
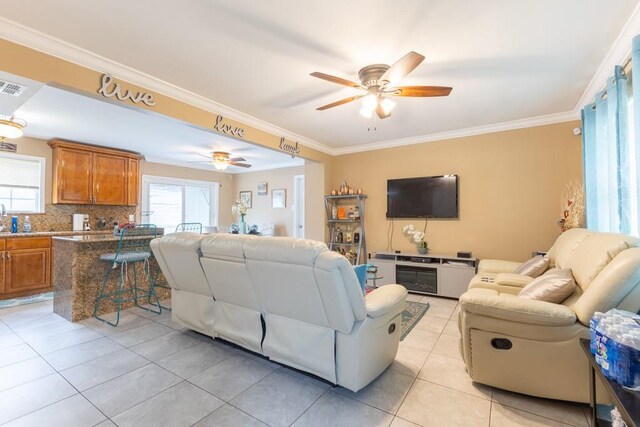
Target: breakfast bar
78, 275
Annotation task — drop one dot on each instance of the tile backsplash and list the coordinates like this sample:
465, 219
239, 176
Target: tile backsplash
59, 217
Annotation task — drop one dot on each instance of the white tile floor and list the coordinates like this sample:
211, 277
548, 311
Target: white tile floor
151, 371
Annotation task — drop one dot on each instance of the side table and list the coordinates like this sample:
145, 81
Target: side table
372, 274
627, 402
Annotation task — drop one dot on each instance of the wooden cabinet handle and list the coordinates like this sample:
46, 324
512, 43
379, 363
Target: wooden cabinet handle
8, 255
2, 256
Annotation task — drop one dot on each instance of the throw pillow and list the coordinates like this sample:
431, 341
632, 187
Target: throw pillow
533, 267
361, 273
555, 287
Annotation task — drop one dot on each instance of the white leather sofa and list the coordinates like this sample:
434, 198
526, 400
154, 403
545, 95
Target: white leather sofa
291, 300
545, 358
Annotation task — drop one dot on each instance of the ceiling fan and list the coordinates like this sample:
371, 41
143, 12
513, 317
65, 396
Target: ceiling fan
221, 160
379, 82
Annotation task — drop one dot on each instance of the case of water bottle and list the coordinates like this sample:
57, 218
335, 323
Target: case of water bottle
615, 344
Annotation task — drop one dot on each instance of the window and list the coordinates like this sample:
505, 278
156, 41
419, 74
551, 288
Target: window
22, 183
167, 202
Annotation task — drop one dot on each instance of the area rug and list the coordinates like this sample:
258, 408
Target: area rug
411, 315
32, 299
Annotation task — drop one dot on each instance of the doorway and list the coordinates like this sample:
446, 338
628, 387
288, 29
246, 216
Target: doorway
298, 206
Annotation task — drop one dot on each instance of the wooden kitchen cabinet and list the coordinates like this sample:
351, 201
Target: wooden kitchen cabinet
87, 174
2, 264
26, 264
133, 182
74, 176
109, 179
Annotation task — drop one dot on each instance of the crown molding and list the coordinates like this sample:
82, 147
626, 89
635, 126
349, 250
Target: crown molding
619, 52
460, 133
33, 39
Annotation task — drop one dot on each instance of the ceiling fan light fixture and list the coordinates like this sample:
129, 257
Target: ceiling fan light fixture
366, 113
387, 105
220, 165
11, 128
369, 103
220, 160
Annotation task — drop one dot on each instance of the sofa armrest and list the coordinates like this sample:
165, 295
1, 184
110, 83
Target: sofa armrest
511, 308
497, 266
513, 279
385, 299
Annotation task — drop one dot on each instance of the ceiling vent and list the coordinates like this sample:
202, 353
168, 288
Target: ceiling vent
13, 89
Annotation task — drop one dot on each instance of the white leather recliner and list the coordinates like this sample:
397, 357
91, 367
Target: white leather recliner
191, 298
544, 358
237, 312
293, 301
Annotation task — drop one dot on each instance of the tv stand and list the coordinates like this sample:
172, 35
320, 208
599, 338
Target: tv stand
430, 274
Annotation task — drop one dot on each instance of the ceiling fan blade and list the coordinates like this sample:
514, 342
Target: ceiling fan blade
208, 156
242, 165
200, 161
404, 66
334, 79
238, 159
419, 91
380, 112
342, 101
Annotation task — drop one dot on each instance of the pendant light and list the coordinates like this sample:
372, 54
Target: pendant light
11, 128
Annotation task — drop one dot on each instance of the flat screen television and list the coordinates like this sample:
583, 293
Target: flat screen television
425, 197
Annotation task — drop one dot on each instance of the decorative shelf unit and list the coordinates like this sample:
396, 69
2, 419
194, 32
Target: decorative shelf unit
351, 225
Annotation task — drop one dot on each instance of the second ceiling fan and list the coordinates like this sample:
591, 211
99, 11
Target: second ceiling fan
379, 81
221, 160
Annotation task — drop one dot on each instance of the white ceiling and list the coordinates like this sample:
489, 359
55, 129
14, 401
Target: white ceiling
51, 112
506, 60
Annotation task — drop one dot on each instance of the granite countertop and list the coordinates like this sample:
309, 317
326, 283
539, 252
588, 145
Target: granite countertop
5, 234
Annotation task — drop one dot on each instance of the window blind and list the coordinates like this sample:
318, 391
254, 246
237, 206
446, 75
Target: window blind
19, 173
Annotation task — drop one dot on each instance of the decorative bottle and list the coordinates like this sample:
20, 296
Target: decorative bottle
338, 235
26, 227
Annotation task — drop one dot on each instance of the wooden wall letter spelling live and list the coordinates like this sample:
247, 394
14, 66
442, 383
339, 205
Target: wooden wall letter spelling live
109, 92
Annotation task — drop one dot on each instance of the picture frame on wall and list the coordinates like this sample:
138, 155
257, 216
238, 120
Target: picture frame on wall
279, 198
246, 197
263, 189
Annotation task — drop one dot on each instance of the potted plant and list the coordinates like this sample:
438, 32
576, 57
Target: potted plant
417, 237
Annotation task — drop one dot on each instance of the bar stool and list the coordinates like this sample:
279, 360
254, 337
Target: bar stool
133, 248
194, 227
